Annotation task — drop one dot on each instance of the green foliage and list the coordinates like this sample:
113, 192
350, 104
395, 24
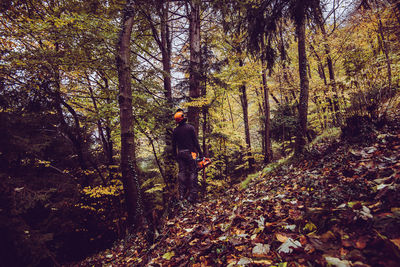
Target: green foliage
216, 187
283, 122
371, 101
104, 206
355, 61
246, 182
327, 136
266, 171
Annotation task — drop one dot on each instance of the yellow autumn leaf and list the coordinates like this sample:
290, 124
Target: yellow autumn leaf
193, 242
281, 238
262, 262
310, 227
168, 255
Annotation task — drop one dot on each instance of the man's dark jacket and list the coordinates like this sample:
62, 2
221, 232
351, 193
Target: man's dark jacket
184, 138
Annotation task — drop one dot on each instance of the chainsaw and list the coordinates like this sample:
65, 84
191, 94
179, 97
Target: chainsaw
201, 163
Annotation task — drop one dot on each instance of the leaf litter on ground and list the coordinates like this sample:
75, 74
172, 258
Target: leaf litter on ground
340, 207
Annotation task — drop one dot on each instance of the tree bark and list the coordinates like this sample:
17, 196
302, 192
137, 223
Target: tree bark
267, 134
128, 161
104, 137
75, 134
318, 14
109, 141
163, 39
165, 48
304, 83
260, 102
385, 49
244, 102
195, 60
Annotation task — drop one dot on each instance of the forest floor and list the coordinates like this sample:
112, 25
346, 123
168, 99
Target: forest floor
338, 207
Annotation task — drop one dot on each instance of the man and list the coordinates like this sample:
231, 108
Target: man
184, 143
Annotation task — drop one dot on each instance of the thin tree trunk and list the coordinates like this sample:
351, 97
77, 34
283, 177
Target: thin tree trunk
195, 60
204, 65
386, 52
267, 134
74, 135
335, 100
230, 112
260, 102
100, 129
321, 70
165, 48
304, 83
319, 112
205, 132
274, 98
164, 43
109, 141
128, 161
243, 100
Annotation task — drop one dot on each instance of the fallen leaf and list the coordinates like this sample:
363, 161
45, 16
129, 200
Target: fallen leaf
241, 248
189, 229
310, 227
168, 255
290, 227
327, 236
261, 250
343, 252
288, 246
361, 242
193, 242
244, 261
281, 238
337, 262
309, 249
346, 243
303, 240
263, 262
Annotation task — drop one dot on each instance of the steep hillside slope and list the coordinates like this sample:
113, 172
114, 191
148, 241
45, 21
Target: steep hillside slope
339, 206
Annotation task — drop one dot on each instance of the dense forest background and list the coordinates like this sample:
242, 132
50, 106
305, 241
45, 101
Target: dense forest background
88, 90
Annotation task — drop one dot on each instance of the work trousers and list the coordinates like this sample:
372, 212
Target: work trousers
187, 176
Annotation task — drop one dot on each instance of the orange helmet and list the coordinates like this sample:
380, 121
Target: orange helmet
179, 116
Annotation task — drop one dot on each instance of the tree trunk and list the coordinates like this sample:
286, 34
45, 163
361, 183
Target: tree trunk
267, 135
109, 141
243, 100
385, 49
166, 52
101, 132
195, 60
274, 98
335, 100
128, 160
260, 102
165, 49
203, 85
104, 137
304, 83
74, 134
